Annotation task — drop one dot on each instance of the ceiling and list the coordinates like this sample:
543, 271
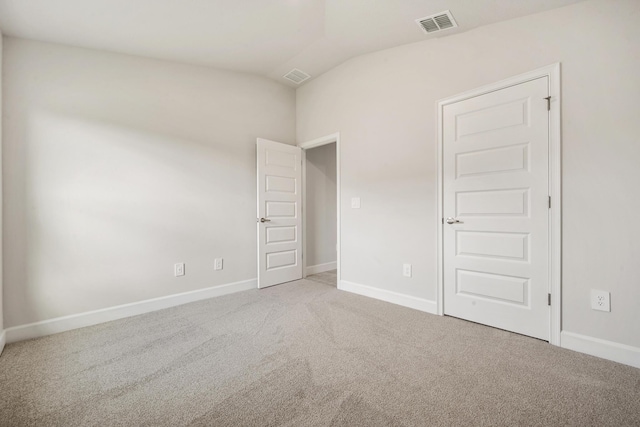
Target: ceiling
265, 37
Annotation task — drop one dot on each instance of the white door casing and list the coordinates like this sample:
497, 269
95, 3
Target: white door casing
495, 154
279, 218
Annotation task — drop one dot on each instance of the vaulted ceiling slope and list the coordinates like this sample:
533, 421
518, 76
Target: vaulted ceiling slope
265, 37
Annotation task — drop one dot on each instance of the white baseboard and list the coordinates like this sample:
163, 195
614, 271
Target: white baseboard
3, 340
321, 268
610, 350
390, 296
75, 321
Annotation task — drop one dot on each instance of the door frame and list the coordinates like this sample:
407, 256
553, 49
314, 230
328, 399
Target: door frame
307, 145
555, 212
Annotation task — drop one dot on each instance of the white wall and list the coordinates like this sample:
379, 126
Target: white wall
1, 198
321, 193
383, 105
116, 167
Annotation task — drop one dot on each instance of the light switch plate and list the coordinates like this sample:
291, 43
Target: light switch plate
355, 202
178, 269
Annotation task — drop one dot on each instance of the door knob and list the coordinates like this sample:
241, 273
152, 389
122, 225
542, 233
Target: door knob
264, 220
453, 221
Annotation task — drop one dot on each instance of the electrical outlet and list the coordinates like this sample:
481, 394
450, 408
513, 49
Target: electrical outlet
406, 270
217, 264
178, 269
600, 300
355, 203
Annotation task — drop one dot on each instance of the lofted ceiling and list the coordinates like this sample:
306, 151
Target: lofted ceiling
265, 37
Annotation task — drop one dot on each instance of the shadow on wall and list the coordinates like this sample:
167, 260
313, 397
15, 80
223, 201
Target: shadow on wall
99, 212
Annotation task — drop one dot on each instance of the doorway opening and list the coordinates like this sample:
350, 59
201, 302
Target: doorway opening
282, 237
320, 210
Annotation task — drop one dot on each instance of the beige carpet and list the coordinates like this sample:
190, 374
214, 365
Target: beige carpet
306, 354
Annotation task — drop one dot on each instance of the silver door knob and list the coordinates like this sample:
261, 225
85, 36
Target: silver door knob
264, 220
453, 221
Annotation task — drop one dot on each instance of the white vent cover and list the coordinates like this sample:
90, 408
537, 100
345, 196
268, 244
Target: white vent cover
297, 76
438, 22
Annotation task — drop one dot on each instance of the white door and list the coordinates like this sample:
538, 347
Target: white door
496, 212
279, 216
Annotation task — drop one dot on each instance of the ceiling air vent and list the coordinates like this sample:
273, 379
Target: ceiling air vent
438, 22
297, 76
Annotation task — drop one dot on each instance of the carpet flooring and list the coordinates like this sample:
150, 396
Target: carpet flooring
306, 354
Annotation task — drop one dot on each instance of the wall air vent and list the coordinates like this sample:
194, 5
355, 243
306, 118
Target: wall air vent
297, 76
438, 22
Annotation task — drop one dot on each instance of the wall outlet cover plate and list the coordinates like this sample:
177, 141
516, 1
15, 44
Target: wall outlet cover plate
406, 270
600, 300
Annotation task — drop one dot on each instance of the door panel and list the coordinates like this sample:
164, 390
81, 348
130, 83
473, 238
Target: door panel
493, 161
276, 235
492, 203
513, 246
496, 185
492, 286
492, 118
279, 200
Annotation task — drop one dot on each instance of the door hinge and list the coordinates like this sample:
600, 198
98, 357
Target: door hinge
549, 202
548, 299
443, 220
548, 98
